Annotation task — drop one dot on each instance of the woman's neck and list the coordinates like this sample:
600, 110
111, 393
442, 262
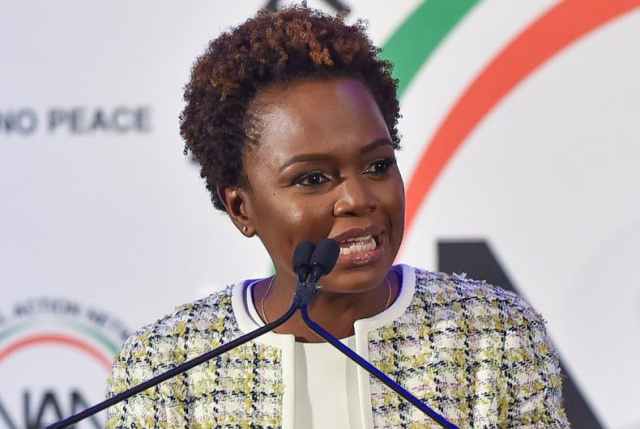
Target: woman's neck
336, 312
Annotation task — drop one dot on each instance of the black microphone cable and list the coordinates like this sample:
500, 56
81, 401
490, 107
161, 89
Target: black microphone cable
310, 262
322, 262
301, 257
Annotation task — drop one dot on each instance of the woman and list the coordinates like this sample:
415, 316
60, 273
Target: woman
292, 117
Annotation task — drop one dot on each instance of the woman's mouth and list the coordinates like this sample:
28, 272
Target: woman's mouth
360, 250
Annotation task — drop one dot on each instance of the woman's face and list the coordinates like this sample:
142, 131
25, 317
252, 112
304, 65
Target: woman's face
324, 167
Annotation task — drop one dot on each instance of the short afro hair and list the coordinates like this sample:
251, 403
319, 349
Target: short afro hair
272, 48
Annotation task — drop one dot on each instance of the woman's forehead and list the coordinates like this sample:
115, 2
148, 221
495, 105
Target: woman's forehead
321, 115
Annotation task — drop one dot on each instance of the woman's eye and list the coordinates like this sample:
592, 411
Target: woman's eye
311, 179
380, 166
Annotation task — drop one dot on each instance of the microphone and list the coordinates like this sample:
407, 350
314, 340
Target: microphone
323, 259
301, 257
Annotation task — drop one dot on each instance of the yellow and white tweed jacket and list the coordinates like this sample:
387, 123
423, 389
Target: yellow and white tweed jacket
474, 352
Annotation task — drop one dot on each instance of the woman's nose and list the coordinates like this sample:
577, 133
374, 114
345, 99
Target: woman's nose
355, 198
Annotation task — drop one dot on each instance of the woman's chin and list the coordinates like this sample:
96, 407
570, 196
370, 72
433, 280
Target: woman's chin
356, 276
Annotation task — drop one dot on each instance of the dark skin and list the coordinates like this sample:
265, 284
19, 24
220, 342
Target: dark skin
323, 165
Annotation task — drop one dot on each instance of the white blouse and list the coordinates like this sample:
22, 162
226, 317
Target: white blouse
316, 373
324, 377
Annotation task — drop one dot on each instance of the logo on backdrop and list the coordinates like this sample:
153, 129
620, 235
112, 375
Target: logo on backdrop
55, 357
75, 121
337, 5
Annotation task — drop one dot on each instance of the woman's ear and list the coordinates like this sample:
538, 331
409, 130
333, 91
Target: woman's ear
236, 202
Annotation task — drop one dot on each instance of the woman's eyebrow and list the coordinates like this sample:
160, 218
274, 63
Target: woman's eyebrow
384, 141
306, 157
310, 157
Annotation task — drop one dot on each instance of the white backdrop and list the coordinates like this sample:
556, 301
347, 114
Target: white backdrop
105, 226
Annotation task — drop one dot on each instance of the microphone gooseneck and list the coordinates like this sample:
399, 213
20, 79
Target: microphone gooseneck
301, 260
322, 261
310, 262
363, 363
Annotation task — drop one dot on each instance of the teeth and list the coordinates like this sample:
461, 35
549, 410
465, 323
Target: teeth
358, 245
358, 239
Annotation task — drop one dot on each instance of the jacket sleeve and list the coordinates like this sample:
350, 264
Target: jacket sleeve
130, 368
532, 373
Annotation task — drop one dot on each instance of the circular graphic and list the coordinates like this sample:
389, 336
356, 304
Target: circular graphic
55, 356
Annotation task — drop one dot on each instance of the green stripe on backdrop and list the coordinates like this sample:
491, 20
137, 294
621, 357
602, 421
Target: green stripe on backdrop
419, 35
111, 346
97, 336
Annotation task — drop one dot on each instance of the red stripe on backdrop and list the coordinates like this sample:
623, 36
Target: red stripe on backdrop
58, 339
558, 28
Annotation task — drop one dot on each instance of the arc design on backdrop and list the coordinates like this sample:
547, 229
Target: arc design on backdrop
558, 28
34, 329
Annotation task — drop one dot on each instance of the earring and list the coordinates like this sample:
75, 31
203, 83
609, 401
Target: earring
245, 228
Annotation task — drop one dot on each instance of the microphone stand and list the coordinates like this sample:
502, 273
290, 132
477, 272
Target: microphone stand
363, 363
298, 299
305, 291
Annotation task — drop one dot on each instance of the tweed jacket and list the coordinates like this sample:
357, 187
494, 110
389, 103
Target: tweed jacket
475, 353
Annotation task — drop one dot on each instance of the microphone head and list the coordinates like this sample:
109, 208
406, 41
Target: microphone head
325, 256
302, 255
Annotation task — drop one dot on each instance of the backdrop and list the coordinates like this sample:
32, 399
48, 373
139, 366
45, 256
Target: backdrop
520, 156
